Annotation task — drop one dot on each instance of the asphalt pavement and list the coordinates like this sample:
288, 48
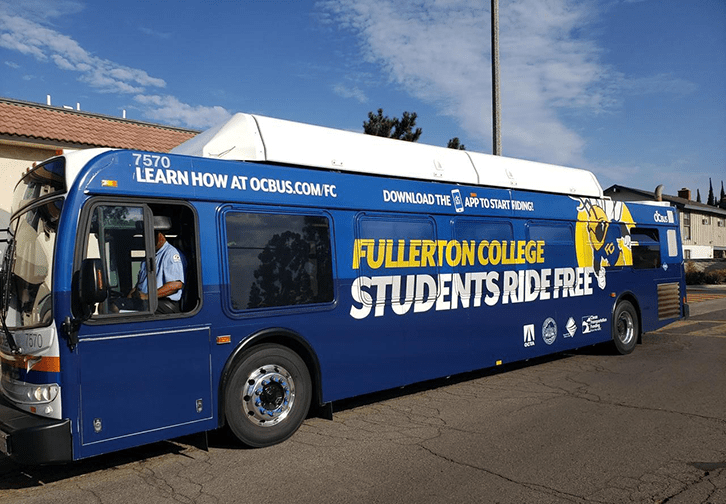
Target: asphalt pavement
582, 427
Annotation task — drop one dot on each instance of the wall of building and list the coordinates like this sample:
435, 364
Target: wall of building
706, 232
14, 160
697, 252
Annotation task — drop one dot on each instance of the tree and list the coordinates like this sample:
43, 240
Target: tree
281, 278
400, 129
403, 129
711, 200
455, 144
698, 195
378, 125
294, 269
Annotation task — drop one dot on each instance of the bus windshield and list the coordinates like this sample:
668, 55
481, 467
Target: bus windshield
28, 266
28, 261
41, 182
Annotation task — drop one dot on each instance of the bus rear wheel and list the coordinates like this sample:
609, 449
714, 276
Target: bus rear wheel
625, 327
268, 395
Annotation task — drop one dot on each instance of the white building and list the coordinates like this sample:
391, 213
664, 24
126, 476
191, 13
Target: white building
703, 227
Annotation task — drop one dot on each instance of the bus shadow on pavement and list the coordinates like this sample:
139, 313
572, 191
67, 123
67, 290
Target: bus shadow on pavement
375, 397
14, 476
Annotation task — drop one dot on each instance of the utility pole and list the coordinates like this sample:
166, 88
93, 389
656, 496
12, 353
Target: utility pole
496, 106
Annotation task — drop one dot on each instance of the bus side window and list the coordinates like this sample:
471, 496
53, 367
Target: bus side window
646, 248
278, 260
558, 238
116, 236
183, 236
387, 243
487, 232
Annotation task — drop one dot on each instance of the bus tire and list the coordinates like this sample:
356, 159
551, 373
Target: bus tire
625, 327
268, 395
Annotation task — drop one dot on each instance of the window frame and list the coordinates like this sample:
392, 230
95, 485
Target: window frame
654, 244
458, 233
686, 226
565, 252
225, 269
84, 226
362, 218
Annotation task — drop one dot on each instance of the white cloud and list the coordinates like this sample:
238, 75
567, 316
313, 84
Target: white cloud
104, 83
439, 51
42, 9
21, 30
30, 37
350, 92
170, 110
10, 42
661, 83
62, 63
155, 33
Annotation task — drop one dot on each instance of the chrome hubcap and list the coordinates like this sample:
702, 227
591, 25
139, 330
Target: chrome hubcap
625, 328
269, 395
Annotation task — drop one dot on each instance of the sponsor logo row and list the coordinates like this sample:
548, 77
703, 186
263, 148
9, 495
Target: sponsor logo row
548, 332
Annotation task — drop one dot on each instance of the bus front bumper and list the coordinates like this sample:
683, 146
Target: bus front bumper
32, 440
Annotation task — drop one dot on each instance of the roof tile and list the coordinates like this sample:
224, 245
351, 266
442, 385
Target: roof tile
41, 122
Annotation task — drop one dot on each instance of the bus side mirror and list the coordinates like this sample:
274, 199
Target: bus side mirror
92, 289
92, 282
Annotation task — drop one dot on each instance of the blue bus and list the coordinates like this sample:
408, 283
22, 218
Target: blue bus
311, 265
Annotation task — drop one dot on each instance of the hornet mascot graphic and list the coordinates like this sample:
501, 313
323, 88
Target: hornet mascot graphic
602, 235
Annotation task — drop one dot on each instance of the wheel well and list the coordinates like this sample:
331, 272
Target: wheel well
284, 338
629, 296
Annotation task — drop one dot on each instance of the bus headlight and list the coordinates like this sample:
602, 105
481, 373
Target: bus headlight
43, 394
29, 393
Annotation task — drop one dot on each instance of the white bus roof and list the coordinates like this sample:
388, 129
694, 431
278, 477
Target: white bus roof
247, 137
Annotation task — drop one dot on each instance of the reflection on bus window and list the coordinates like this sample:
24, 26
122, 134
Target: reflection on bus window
278, 260
117, 238
646, 248
31, 260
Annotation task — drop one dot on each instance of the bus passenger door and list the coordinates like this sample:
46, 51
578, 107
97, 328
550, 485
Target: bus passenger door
141, 373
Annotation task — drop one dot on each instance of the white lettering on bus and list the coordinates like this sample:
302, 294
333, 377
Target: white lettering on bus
451, 291
162, 176
151, 175
151, 160
408, 197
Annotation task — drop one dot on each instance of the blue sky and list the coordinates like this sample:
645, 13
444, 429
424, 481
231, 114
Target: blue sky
634, 90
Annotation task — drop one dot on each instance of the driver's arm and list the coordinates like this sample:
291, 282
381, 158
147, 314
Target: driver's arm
165, 290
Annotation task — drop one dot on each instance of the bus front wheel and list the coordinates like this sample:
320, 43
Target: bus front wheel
625, 327
268, 395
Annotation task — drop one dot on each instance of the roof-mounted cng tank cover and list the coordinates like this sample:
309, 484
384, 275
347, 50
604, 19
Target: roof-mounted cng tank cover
255, 138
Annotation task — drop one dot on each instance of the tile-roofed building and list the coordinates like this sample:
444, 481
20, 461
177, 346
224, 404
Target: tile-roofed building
32, 122
31, 132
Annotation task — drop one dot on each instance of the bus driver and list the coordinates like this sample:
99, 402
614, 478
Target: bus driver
170, 268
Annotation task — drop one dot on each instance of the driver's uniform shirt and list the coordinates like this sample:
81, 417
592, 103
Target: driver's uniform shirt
169, 268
